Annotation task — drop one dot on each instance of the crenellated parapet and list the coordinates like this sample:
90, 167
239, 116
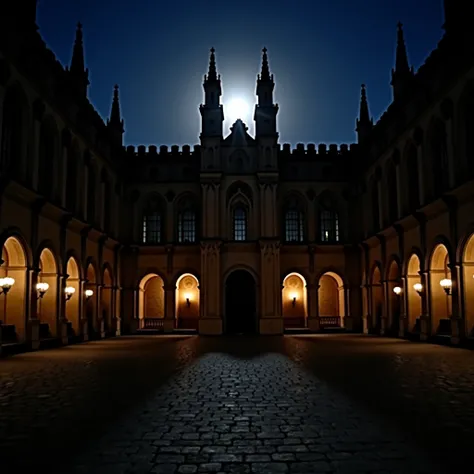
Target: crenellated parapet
163, 152
321, 151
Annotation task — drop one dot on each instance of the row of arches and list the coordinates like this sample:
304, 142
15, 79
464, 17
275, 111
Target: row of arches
180, 301
424, 295
64, 302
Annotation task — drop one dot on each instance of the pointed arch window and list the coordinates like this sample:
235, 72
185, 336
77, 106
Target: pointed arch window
187, 226
240, 223
439, 148
294, 225
10, 152
329, 226
152, 227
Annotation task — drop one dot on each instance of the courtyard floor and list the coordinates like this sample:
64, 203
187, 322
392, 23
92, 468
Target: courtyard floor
295, 404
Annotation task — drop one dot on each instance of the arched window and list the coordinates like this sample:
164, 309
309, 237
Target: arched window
240, 224
439, 150
10, 153
107, 206
411, 157
392, 192
375, 206
71, 178
91, 197
47, 157
153, 222
294, 226
187, 226
329, 225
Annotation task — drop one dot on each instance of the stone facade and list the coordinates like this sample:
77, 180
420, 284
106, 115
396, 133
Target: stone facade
238, 233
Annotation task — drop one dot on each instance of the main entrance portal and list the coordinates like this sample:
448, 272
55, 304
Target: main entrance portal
240, 303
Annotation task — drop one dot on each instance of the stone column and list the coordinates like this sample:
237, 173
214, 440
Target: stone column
170, 308
425, 314
347, 321
385, 308
63, 322
403, 323
313, 306
458, 324
38, 113
61, 174
33, 336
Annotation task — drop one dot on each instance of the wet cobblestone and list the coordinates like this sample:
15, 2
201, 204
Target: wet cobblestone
336, 404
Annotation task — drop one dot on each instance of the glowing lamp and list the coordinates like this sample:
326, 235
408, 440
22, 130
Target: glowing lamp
293, 297
397, 290
418, 287
69, 291
42, 288
6, 284
187, 297
88, 293
446, 284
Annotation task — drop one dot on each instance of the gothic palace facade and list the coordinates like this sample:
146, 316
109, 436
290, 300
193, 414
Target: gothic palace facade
239, 233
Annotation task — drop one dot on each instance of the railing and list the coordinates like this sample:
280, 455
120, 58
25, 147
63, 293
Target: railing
330, 321
153, 323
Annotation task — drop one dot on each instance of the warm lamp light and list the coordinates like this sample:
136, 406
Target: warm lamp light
446, 284
293, 299
88, 293
6, 284
42, 288
187, 297
69, 291
418, 287
397, 290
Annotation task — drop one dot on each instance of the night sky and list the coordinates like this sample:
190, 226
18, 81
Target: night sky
320, 51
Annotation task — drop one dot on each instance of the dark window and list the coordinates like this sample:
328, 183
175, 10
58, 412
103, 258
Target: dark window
240, 224
187, 226
329, 225
294, 226
392, 194
375, 208
413, 181
152, 228
439, 147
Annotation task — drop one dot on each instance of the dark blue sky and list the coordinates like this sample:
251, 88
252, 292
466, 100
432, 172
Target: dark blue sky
320, 51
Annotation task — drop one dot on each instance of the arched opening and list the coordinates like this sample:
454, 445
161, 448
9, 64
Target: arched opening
13, 310
106, 302
377, 300
294, 301
394, 305
468, 285
47, 306
151, 301
72, 305
187, 302
413, 297
331, 302
94, 325
440, 304
240, 303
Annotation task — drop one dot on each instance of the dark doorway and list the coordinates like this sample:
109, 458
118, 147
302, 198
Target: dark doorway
240, 303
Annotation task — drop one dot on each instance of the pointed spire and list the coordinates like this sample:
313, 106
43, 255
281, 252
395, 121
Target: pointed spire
80, 75
364, 122
265, 73
212, 74
115, 116
401, 62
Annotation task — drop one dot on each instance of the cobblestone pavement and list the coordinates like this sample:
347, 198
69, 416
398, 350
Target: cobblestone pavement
329, 404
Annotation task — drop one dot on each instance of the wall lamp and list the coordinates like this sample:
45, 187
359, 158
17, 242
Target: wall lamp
188, 300
41, 288
6, 284
69, 291
418, 287
446, 284
397, 290
88, 294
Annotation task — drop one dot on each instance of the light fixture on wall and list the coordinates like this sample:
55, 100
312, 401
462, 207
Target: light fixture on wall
6, 284
41, 288
397, 290
187, 297
293, 299
88, 294
69, 291
446, 284
418, 287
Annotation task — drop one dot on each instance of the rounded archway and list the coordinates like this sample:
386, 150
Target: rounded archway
13, 303
440, 301
394, 306
187, 302
331, 300
468, 285
151, 300
240, 303
72, 305
413, 298
377, 299
47, 306
106, 302
294, 301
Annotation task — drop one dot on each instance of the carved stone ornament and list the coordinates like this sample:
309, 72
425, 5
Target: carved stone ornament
210, 248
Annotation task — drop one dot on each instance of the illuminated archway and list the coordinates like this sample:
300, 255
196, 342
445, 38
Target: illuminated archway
377, 299
187, 302
331, 300
13, 304
151, 298
106, 303
394, 307
413, 299
294, 301
440, 302
72, 305
468, 284
48, 305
